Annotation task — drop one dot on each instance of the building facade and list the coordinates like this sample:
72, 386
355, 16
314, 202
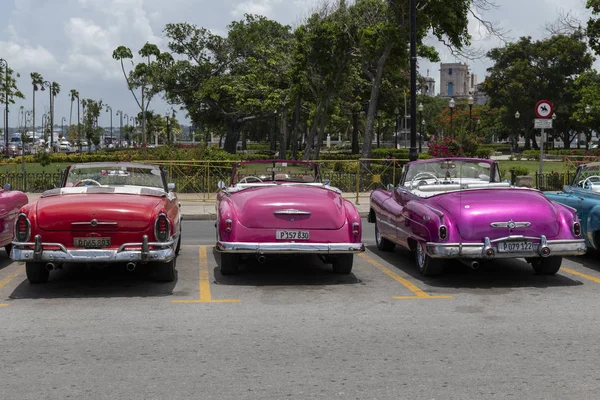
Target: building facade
456, 80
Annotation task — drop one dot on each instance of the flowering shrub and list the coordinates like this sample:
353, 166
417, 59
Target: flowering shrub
463, 145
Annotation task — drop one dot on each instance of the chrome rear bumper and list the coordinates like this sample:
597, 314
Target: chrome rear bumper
289, 248
489, 249
58, 253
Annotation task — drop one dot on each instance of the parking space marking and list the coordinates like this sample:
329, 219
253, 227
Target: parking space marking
419, 294
8, 279
573, 272
204, 282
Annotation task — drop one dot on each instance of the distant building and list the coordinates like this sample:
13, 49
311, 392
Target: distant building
456, 80
429, 87
480, 97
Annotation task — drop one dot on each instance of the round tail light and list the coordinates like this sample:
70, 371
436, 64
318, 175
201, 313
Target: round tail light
22, 228
443, 232
577, 229
162, 228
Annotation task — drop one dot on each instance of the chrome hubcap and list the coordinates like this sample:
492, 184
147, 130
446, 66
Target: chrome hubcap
421, 255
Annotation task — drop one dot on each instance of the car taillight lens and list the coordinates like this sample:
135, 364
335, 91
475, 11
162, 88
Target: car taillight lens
22, 228
577, 229
228, 224
443, 232
162, 227
355, 228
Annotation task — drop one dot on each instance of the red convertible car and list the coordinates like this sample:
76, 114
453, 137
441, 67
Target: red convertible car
280, 207
103, 213
11, 202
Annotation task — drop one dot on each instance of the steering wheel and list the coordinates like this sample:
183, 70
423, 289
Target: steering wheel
588, 180
245, 179
422, 175
78, 183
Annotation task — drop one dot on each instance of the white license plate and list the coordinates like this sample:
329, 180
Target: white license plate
292, 235
514, 247
91, 243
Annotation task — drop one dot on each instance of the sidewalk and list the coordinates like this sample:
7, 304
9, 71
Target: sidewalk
198, 207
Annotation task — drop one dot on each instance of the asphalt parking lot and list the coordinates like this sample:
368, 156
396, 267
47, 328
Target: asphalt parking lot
291, 328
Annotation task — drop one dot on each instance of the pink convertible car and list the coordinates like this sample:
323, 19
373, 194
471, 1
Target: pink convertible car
280, 207
459, 208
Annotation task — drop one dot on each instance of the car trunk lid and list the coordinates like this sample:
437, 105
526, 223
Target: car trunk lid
97, 212
289, 207
476, 210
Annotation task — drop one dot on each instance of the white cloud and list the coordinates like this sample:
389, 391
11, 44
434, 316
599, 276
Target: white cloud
23, 57
260, 7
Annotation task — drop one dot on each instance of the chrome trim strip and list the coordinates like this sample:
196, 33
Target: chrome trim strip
437, 212
92, 223
291, 211
510, 224
289, 248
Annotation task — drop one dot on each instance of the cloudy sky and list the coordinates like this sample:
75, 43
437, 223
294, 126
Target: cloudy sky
71, 41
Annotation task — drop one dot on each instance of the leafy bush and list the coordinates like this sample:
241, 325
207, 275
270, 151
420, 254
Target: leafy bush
520, 171
531, 155
483, 152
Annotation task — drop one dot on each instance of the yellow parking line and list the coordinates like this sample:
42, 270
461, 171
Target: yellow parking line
204, 283
591, 278
419, 294
8, 279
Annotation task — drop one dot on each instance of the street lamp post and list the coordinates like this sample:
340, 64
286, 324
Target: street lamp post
396, 114
588, 136
49, 118
4, 64
421, 137
420, 109
62, 126
120, 114
27, 114
168, 130
451, 105
111, 124
517, 116
470, 103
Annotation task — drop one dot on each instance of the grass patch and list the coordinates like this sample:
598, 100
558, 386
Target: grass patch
32, 168
532, 166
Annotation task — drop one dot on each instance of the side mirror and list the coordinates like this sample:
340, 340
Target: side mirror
171, 186
390, 187
327, 182
221, 185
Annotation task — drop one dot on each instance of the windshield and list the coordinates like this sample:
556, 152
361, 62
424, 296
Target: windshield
115, 175
588, 176
451, 171
274, 171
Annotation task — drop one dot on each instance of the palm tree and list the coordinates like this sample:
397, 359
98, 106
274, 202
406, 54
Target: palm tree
37, 82
74, 94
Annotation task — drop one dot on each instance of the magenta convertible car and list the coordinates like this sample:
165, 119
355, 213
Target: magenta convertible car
280, 207
459, 208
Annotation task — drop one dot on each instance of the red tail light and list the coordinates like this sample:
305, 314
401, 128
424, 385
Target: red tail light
162, 228
355, 228
22, 228
228, 225
577, 229
443, 232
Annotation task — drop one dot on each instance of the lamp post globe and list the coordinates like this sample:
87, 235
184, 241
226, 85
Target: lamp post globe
422, 122
470, 103
396, 114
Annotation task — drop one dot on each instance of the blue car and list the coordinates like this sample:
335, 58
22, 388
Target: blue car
583, 194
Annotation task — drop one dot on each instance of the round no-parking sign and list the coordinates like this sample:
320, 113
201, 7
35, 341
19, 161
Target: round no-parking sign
543, 109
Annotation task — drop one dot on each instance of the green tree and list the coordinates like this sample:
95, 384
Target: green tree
8, 87
526, 72
144, 75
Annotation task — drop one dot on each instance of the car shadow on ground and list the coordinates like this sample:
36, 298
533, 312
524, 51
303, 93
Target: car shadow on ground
589, 260
5, 260
84, 281
508, 273
284, 271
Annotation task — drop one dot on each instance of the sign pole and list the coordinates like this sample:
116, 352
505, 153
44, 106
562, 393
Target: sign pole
541, 152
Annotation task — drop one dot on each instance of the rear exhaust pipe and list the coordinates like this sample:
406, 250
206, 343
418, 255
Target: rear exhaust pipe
131, 266
261, 259
50, 266
475, 265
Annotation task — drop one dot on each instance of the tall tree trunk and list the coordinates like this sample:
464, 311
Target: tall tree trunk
375, 89
283, 135
355, 133
310, 138
295, 129
232, 137
322, 128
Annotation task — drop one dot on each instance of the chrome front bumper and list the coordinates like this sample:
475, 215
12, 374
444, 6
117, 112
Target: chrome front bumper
137, 252
545, 248
289, 248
